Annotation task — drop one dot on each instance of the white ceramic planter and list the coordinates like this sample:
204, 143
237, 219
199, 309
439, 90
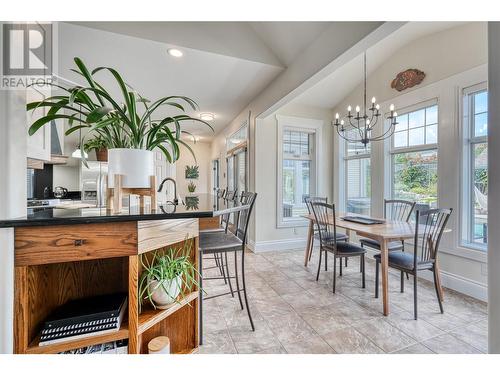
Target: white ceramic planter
166, 295
135, 165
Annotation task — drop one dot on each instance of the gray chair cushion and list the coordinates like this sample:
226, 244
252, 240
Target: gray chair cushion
219, 242
405, 260
393, 246
348, 248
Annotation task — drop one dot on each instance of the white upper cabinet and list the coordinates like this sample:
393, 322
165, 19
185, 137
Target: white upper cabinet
38, 143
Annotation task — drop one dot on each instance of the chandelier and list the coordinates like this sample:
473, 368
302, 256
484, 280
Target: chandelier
359, 127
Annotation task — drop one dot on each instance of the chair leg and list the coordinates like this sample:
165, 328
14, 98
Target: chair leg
237, 278
403, 281
376, 278
415, 295
326, 260
345, 262
245, 288
221, 262
437, 286
335, 270
228, 275
403, 250
340, 267
319, 262
360, 270
363, 269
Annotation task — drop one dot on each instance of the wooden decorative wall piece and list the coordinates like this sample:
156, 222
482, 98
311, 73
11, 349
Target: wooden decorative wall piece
407, 79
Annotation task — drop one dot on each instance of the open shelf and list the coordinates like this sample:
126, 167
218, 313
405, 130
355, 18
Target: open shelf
149, 317
121, 334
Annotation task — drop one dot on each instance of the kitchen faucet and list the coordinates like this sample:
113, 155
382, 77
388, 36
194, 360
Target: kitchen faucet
160, 188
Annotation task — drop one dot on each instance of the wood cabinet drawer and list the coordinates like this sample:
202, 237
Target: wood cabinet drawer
66, 243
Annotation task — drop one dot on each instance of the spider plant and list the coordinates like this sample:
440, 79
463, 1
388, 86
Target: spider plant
96, 143
167, 266
127, 121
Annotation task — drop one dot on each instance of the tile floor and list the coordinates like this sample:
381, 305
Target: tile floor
295, 314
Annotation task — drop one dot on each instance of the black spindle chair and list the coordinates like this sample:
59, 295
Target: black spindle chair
429, 227
324, 215
231, 241
340, 236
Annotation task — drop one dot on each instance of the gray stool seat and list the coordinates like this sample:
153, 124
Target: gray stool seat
392, 246
218, 241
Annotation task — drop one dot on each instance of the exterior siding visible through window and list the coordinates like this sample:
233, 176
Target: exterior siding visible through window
415, 157
357, 175
474, 213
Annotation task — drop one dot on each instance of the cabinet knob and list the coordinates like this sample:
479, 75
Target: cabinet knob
79, 242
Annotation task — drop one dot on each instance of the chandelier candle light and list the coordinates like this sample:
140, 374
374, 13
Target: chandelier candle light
364, 122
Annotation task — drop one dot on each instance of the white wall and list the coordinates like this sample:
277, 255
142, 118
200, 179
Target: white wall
494, 188
452, 60
66, 176
202, 150
268, 236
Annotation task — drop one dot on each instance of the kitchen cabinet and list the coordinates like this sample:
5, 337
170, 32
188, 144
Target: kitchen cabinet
38, 143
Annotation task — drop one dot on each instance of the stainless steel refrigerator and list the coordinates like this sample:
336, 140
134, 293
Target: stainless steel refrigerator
93, 180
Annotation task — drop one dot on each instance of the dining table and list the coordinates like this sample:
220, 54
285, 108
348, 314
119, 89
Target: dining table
384, 233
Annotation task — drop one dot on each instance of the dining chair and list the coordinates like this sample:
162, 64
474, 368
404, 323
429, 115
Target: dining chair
324, 215
233, 241
429, 227
396, 210
340, 236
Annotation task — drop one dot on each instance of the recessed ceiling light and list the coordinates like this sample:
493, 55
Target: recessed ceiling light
207, 116
175, 52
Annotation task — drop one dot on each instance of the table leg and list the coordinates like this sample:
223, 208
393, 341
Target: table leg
384, 255
310, 234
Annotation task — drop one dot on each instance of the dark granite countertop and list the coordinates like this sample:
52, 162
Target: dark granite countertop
193, 206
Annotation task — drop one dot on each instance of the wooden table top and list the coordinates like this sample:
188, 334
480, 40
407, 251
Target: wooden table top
388, 231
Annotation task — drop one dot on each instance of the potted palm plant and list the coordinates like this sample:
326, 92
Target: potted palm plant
167, 275
127, 123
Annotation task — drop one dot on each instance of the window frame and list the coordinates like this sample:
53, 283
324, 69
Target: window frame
393, 151
312, 126
469, 140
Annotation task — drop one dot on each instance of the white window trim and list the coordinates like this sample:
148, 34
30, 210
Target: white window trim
298, 123
466, 170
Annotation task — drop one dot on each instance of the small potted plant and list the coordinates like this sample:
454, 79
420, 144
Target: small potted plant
191, 187
192, 171
166, 275
99, 145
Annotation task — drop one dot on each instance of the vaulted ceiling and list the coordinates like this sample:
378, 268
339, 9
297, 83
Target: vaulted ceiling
224, 66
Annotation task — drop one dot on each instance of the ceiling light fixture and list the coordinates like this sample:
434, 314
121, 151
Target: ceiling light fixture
362, 123
207, 116
175, 52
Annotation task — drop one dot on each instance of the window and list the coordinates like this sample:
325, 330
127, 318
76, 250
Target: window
297, 164
298, 152
415, 157
357, 175
236, 159
475, 168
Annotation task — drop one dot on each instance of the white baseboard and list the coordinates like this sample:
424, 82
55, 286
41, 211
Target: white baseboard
277, 245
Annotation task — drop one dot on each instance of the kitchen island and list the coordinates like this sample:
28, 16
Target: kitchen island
66, 254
